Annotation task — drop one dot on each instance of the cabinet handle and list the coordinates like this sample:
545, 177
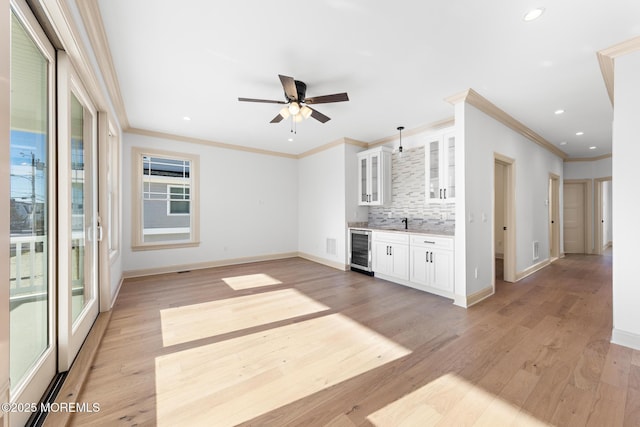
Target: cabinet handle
431, 257
441, 193
390, 250
387, 250
426, 256
445, 193
430, 242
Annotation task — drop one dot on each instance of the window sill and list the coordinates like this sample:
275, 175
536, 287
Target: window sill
153, 247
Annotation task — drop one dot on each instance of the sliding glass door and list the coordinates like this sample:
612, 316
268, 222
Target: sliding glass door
77, 195
32, 242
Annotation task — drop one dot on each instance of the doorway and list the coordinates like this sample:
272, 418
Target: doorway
577, 238
604, 214
554, 217
504, 219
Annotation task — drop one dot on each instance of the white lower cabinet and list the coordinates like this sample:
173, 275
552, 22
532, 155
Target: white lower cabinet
421, 261
391, 255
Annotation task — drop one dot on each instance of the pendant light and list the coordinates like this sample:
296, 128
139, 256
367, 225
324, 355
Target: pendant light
400, 129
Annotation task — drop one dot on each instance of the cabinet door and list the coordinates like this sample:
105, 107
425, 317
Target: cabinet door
442, 275
433, 173
375, 176
363, 170
449, 170
400, 261
381, 258
419, 265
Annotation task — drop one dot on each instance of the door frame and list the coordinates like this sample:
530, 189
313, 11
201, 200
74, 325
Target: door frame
588, 217
71, 334
554, 217
599, 214
509, 219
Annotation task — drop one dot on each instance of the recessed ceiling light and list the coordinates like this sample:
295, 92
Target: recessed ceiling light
563, 143
533, 14
186, 118
579, 133
290, 140
593, 147
558, 112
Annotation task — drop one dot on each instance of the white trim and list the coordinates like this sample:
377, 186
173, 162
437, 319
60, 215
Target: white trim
328, 263
473, 299
626, 339
117, 292
208, 264
532, 269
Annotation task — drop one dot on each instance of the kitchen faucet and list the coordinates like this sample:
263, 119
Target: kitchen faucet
406, 223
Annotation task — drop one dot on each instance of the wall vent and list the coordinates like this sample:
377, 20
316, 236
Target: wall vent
536, 250
331, 246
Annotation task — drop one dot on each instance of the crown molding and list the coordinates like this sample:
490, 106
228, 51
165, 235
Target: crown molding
472, 97
588, 159
93, 24
155, 134
606, 59
440, 124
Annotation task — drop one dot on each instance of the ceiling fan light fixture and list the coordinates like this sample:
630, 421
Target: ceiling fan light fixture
294, 108
306, 111
298, 118
285, 113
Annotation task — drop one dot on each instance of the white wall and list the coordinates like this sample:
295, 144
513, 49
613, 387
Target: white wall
587, 170
322, 205
626, 233
248, 206
4, 196
484, 136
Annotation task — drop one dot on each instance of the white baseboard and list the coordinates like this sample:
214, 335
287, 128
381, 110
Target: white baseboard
117, 292
626, 339
466, 301
535, 267
328, 263
208, 264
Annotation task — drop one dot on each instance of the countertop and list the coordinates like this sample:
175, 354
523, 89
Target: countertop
436, 232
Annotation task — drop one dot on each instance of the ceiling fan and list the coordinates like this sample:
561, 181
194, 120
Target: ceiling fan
297, 104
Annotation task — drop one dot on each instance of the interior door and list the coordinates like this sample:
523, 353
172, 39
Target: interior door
77, 223
574, 218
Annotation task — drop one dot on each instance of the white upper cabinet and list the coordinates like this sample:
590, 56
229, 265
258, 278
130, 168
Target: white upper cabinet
440, 169
374, 176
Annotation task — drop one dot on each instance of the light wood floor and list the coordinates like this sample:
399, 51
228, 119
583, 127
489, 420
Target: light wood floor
291, 342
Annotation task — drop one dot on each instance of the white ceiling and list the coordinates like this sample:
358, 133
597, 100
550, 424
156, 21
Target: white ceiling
397, 61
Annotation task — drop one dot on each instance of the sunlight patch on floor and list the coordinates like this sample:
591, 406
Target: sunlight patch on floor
234, 381
250, 281
208, 319
451, 400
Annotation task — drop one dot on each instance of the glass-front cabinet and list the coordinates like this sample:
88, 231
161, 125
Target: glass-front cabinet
440, 177
374, 176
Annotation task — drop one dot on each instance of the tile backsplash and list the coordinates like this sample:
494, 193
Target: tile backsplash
408, 199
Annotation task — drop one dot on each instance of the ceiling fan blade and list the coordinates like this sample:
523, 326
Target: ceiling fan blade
319, 116
289, 86
325, 99
266, 101
277, 119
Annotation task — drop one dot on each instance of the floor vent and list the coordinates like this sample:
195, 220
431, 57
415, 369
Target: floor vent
536, 250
